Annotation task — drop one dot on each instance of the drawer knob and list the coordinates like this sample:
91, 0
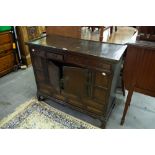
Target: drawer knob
65, 49
33, 50
104, 74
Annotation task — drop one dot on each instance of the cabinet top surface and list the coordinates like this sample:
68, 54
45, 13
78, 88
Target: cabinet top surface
110, 52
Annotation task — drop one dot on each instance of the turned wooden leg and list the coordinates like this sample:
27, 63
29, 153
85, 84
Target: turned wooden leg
111, 29
126, 106
40, 97
93, 28
103, 125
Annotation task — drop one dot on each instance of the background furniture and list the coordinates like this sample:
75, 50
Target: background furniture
24, 34
80, 73
67, 31
146, 33
102, 29
139, 71
75, 31
7, 54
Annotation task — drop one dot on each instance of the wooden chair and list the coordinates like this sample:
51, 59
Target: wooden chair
102, 29
146, 33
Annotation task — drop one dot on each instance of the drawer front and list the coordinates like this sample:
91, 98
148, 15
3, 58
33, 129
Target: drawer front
102, 79
4, 53
38, 52
5, 47
5, 38
54, 56
6, 62
87, 62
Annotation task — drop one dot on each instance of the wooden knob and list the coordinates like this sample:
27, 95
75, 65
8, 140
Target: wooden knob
104, 74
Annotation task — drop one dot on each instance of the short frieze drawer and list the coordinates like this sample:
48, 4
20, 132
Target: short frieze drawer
37, 52
54, 56
90, 62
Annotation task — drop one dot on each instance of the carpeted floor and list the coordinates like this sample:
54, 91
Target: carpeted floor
39, 115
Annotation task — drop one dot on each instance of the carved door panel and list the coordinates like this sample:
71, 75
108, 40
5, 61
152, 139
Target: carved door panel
46, 73
96, 101
54, 76
75, 85
37, 62
40, 73
49, 79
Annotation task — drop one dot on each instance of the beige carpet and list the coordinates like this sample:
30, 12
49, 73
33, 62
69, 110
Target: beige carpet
39, 115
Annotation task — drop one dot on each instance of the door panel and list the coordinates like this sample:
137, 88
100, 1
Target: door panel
99, 94
75, 81
75, 84
37, 62
46, 73
54, 76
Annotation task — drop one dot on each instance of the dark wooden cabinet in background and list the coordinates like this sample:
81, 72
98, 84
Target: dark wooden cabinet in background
80, 73
7, 55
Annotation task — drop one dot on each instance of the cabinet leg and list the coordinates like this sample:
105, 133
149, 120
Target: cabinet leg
40, 97
126, 106
103, 124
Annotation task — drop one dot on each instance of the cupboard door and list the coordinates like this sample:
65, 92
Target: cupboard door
46, 73
37, 59
75, 85
48, 79
54, 76
96, 101
38, 62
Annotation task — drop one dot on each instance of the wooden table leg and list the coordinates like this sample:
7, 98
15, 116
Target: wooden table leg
127, 103
115, 28
101, 33
111, 29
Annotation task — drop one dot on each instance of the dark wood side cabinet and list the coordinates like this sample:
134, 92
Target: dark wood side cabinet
7, 55
80, 73
139, 70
